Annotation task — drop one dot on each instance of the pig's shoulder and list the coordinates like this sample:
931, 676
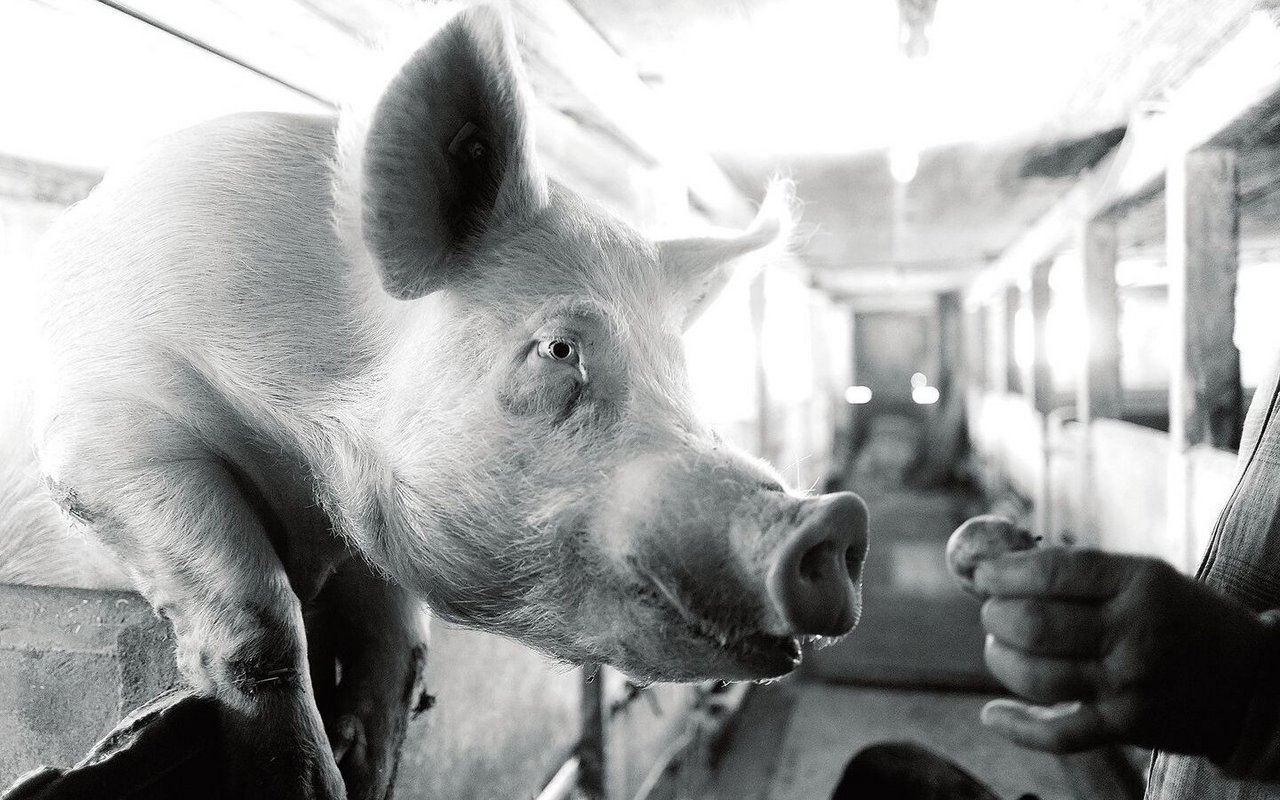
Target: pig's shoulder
262, 129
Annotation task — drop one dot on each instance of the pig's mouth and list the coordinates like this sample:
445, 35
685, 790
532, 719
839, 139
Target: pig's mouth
757, 653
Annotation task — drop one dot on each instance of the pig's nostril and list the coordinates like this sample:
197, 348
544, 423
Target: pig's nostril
816, 564
853, 562
813, 578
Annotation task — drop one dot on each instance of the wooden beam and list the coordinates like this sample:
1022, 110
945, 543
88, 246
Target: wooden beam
1243, 75
1235, 84
1012, 304
313, 45
895, 280
556, 38
1098, 391
1205, 398
902, 302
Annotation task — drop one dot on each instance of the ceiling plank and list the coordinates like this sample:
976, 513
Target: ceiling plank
579, 81
1233, 84
555, 35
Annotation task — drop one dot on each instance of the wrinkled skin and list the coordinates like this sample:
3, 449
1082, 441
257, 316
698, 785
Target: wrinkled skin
299, 380
1107, 648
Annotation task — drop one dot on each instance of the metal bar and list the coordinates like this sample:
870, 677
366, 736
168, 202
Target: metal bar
562, 784
208, 48
591, 745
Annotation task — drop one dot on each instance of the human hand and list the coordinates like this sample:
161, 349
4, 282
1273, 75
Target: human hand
1130, 650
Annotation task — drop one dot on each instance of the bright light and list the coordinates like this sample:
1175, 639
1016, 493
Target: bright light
903, 163
1024, 344
918, 380
787, 338
924, 395
1066, 333
133, 81
722, 369
857, 395
1066, 340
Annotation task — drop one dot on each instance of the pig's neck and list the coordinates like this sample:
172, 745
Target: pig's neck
360, 451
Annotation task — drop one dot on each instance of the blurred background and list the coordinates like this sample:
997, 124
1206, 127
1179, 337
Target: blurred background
1035, 274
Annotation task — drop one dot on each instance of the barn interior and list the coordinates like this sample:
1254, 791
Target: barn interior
1036, 249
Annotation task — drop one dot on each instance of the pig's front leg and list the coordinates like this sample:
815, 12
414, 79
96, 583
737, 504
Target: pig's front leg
376, 633
176, 516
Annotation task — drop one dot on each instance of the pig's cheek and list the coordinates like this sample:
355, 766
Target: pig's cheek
545, 396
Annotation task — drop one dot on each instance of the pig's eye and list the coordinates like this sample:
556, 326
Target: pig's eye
557, 349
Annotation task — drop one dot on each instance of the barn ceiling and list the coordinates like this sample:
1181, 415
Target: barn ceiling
821, 90
1012, 98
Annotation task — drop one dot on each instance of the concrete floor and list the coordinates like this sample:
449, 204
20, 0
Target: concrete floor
912, 671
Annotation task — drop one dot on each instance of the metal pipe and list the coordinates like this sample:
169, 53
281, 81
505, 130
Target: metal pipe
563, 783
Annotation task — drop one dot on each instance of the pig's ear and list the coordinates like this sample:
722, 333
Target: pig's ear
701, 268
448, 155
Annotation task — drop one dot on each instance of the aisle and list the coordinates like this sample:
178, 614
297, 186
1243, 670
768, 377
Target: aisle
918, 628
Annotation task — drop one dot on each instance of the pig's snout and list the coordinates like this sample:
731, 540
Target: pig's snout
814, 580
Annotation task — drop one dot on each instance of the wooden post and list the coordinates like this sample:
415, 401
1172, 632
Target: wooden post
952, 368
1205, 398
1012, 302
975, 348
591, 744
1202, 230
1039, 384
1098, 391
1039, 377
945, 429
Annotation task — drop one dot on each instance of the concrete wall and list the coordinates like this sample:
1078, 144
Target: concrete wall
1119, 493
1128, 491
72, 662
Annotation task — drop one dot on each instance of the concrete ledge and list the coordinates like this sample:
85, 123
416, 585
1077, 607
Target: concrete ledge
72, 663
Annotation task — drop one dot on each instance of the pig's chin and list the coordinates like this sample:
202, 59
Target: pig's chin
754, 656
693, 648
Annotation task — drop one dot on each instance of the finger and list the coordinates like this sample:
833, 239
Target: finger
1057, 572
1046, 628
1061, 728
1043, 679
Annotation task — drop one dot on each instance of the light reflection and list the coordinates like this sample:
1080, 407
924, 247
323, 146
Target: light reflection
857, 395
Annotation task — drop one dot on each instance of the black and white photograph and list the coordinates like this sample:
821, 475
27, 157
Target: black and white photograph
639, 400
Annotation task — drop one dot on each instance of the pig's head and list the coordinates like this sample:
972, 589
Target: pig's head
541, 472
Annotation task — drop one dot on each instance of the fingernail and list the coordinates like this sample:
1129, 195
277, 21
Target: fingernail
994, 717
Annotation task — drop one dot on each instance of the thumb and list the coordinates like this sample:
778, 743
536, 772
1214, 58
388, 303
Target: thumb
1060, 728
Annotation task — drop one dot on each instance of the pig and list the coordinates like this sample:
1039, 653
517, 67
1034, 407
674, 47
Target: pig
301, 375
